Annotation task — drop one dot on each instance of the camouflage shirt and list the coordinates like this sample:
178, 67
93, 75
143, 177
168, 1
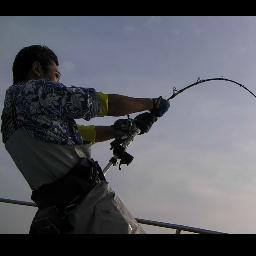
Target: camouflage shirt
46, 110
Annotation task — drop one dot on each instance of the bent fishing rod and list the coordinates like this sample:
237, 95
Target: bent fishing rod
200, 81
119, 147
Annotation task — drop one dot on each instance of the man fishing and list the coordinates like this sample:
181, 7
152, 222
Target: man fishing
53, 152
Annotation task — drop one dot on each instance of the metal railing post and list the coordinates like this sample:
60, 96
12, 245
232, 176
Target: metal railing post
178, 231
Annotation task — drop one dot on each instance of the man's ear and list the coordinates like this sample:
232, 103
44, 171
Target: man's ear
37, 69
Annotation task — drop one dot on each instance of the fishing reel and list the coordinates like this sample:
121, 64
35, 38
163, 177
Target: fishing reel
120, 145
120, 153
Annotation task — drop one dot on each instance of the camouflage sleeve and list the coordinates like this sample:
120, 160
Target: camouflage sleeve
70, 102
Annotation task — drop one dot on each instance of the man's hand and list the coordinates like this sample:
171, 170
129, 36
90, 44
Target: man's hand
160, 106
144, 121
122, 127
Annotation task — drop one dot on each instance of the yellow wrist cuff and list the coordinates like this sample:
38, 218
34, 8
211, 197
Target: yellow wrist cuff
103, 98
88, 133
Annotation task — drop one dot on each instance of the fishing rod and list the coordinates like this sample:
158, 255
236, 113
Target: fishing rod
200, 81
119, 146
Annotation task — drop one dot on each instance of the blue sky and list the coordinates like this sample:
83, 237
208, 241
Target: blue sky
196, 166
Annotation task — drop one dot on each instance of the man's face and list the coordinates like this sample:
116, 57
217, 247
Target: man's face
52, 73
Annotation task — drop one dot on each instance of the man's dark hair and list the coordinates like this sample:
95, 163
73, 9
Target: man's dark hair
27, 56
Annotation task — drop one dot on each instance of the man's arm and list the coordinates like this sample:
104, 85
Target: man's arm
104, 133
77, 102
119, 105
94, 134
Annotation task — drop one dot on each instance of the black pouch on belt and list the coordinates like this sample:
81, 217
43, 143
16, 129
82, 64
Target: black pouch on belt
71, 187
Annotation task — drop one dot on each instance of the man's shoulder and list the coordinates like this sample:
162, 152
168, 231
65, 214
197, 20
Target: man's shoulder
21, 85
36, 85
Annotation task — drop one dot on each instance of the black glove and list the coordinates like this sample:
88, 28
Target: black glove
160, 106
144, 121
122, 128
